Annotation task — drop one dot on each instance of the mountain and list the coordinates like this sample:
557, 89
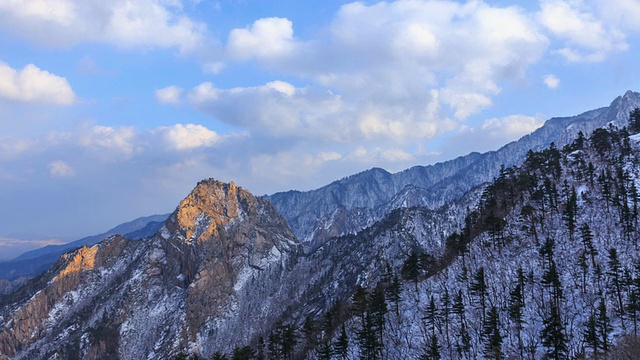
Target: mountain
353, 203
35, 262
541, 261
195, 281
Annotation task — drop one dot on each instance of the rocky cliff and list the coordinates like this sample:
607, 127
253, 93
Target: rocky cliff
187, 287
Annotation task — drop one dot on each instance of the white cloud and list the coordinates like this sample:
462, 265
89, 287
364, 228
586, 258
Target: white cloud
587, 37
267, 39
394, 70
32, 84
60, 169
396, 155
105, 140
189, 136
551, 81
124, 23
510, 128
169, 95
621, 13
491, 134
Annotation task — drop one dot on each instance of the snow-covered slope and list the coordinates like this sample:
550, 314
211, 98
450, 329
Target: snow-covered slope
353, 203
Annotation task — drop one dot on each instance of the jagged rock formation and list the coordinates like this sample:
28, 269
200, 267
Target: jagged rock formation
193, 283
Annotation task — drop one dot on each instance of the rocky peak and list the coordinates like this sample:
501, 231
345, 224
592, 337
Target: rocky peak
211, 206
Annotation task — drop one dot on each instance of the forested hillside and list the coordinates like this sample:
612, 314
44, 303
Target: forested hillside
546, 266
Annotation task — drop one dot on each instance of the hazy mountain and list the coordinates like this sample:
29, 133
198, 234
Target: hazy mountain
35, 262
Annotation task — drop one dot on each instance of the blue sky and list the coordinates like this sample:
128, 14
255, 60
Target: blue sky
114, 110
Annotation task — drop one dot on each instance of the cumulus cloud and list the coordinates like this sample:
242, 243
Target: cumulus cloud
106, 139
586, 36
169, 95
189, 136
60, 169
622, 13
127, 24
392, 70
266, 39
32, 84
551, 81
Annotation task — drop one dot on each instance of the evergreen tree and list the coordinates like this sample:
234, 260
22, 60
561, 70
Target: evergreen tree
463, 345
341, 346
359, 302
431, 313
479, 289
590, 334
411, 268
243, 353
553, 334
587, 241
445, 312
324, 351
570, 212
260, 354
493, 338
432, 349
634, 121
218, 356
604, 325
615, 274
516, 307
394, 290
308, 330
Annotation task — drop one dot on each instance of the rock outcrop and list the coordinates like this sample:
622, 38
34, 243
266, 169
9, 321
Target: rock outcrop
188, 287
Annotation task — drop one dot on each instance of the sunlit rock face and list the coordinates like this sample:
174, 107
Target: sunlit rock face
188, 287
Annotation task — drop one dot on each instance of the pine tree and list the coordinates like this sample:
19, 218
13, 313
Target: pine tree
590, 334
411, 268
430, 316
243, 353
341, 346
324, 351
604, 325
587, 241
516, 307
553, 334
260, 355
570, 212
308, 330
479, 289
394, 290
493, 338
634, 121
463, 345
445, 312
615, 274
218, 356
432, 349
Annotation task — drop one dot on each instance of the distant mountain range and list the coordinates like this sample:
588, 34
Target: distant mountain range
529, 251
35, 262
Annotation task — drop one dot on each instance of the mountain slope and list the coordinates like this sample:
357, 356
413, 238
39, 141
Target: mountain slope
353, 203
192, 283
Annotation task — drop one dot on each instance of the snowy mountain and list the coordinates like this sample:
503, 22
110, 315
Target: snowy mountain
433, 262
353, 203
